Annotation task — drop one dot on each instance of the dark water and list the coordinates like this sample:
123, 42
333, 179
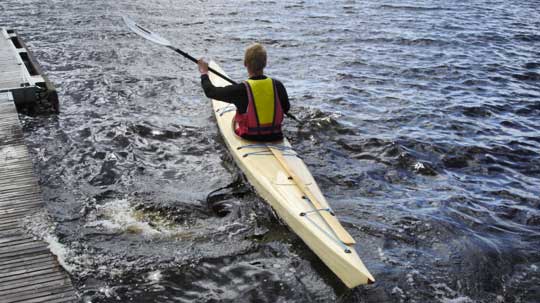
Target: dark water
421, 126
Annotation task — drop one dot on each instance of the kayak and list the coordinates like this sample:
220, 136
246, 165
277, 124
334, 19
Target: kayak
282, 179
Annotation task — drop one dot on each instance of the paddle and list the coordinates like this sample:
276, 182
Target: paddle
149, 35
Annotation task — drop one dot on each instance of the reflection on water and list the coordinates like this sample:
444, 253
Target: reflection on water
420, 125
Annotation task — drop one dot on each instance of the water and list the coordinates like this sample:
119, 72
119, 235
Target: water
421, 126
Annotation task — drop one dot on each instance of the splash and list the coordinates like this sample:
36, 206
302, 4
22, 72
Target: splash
40, 225
119, 217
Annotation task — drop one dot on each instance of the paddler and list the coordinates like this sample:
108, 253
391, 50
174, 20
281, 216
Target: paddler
260, 101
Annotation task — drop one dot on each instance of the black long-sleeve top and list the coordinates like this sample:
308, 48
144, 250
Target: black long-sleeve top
238, 95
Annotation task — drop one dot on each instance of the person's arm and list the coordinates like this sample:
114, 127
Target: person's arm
227, 94
230, 94
283, 97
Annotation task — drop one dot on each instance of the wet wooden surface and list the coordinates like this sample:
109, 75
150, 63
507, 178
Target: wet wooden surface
29, 272
11, 70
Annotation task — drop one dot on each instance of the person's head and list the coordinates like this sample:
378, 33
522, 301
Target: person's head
255, 58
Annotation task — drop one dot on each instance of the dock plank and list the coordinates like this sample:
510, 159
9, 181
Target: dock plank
13, 286
25, 264
49, 293
28, 270
68, 296
54, 283
24, 259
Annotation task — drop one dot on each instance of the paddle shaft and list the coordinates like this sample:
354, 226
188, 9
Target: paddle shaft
188, 56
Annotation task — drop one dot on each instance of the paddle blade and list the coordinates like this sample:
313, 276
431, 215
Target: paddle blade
145, 33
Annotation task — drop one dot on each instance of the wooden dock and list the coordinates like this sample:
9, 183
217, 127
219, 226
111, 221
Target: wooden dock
29, 272
21, 74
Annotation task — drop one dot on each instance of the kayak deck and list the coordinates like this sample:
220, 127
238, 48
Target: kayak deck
283, 180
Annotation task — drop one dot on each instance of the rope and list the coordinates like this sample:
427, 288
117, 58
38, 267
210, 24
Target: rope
266, 153
344, 246
258, 145
328, 209
226, 109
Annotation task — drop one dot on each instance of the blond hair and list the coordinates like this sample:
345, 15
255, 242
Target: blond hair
255, 57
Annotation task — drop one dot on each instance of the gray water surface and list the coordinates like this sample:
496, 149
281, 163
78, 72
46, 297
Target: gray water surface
421, 126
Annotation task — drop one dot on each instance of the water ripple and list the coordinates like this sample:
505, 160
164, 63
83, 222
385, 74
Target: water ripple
420, 123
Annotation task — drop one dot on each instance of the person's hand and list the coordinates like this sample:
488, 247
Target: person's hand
203, 66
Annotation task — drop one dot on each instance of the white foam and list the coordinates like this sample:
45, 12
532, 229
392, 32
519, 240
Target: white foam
39, 225
154, 276
448, 295
118, 216
398, 291
156, 132
239, 231
60, 251
106, 291
457, 300
443, 289
223, 228
381, 254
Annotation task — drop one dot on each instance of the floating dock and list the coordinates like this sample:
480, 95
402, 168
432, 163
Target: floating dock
29, 272
21, 74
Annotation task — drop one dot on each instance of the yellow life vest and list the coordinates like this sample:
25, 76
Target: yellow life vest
263, 98
264, 114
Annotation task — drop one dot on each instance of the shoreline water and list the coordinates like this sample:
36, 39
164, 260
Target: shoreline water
421, 131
